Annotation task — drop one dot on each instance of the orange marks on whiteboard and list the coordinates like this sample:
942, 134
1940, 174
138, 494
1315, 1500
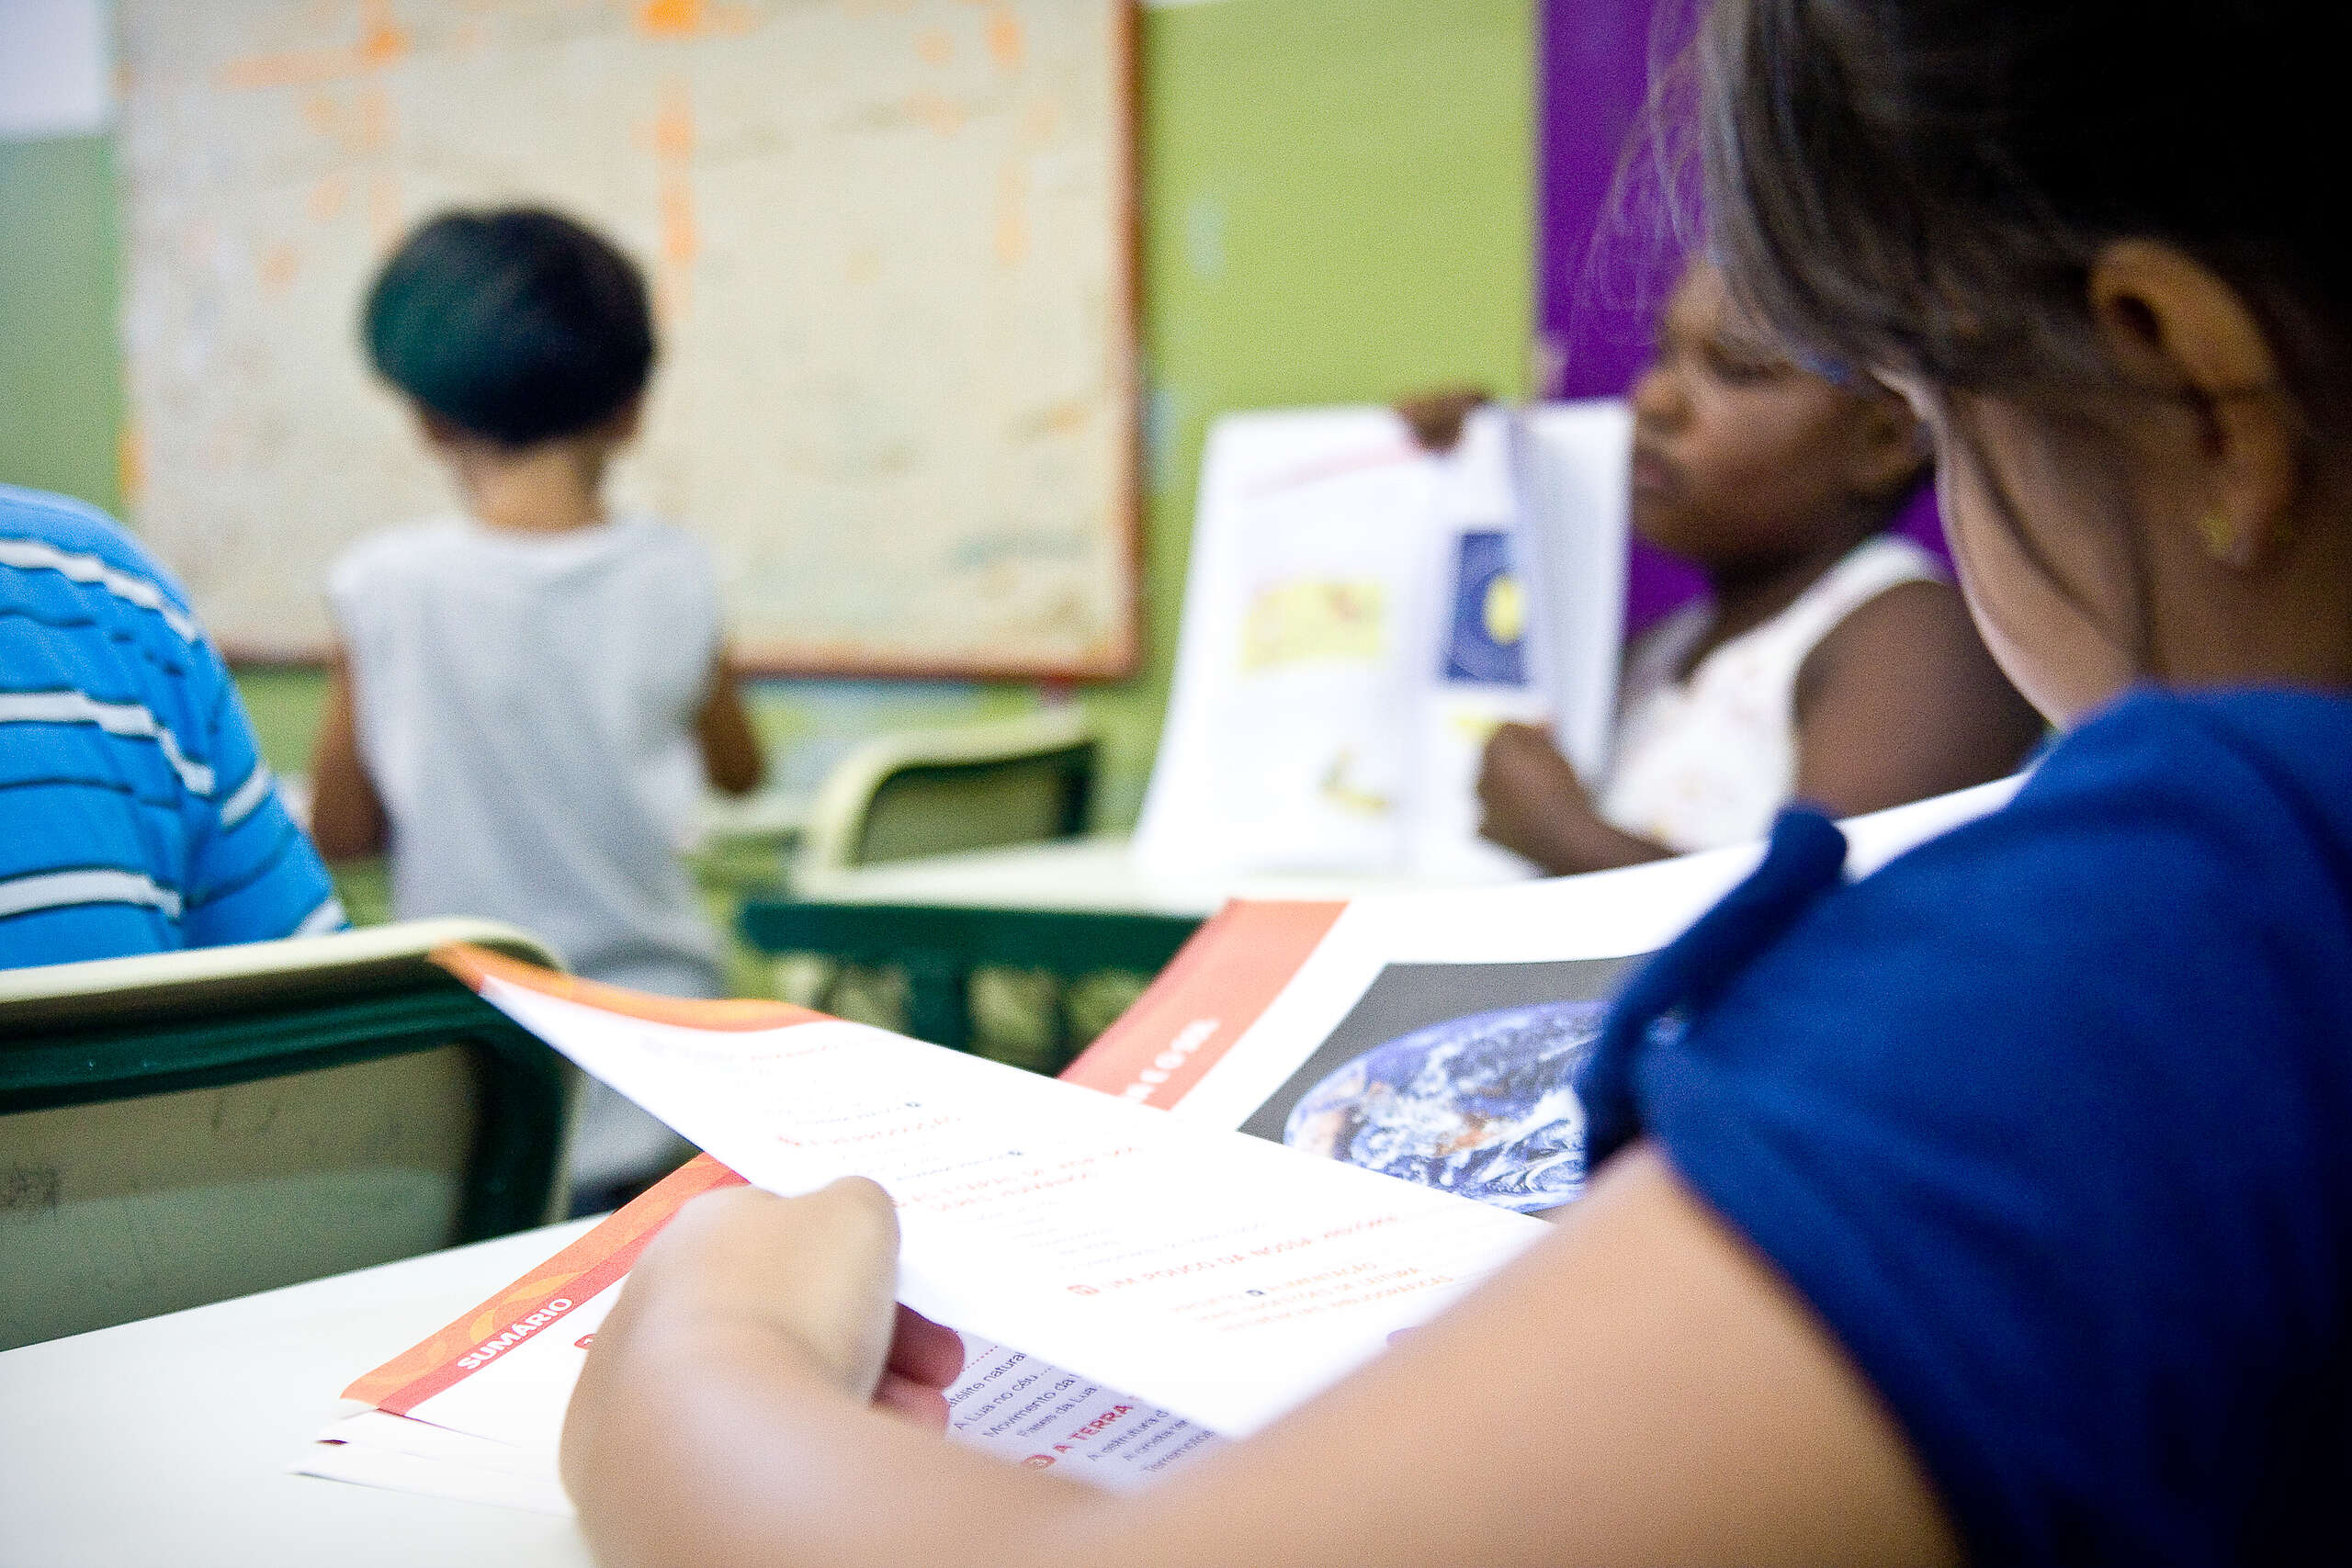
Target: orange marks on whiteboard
690, 19
1013, 214
383, 208
944, 116
1005, 38
328, 199
669, 18
279, 263
1040, 121
673, 128
934, 46
374, 133
673, 159
289, 68
381, 42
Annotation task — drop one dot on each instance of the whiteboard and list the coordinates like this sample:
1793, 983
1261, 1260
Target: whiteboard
889, 242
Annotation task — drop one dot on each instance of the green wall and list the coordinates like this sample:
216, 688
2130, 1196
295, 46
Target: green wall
1338, 200
61, 365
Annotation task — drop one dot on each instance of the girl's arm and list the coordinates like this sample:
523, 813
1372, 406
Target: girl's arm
1901, 700
348, 820
731, 760
1640, 1388
1532, 804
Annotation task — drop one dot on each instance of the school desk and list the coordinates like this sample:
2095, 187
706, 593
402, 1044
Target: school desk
1098, 873
771, 815
167, 1441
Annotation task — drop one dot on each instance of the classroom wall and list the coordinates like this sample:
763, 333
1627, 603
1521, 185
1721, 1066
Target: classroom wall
61, 364
1337, 205
1611, 239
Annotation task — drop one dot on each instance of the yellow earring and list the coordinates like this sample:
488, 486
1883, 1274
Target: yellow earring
2221, 539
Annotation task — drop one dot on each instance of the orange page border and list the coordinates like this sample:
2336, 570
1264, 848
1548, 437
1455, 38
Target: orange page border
1212, 991
609, 1250
573, 1275
474, 965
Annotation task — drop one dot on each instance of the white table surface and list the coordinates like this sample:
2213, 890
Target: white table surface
165, 1442
764, 813
1094, 873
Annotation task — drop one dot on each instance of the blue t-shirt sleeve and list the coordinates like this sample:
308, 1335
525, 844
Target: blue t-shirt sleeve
252, 875
2045, 1121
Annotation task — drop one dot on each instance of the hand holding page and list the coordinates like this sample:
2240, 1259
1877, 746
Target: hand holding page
476, 1411
1218, 1276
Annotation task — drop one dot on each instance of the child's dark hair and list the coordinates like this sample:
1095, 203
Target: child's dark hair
517, 324
1921, 186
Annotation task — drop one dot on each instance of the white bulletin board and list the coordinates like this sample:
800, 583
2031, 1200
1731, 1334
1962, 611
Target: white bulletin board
890, 242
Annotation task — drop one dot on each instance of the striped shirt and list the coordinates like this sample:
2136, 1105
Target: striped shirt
136, 815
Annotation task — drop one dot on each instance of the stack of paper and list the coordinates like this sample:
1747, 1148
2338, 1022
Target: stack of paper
1128, 1282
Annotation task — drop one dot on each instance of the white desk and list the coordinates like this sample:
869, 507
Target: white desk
1074, 874
166, 1441
770, 815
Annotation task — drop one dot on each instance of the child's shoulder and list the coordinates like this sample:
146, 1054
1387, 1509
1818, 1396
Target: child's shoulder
403, 548
2257, 751
664, 562
68, 529
658, 536
2218, 814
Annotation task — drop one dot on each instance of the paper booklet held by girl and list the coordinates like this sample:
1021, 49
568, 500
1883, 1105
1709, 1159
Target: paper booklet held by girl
1359, 616
1322, 1125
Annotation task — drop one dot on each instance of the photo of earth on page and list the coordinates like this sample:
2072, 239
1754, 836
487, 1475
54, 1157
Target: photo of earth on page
1458, 1077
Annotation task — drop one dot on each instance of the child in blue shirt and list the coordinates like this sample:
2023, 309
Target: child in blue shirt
136, 814
1997, 1206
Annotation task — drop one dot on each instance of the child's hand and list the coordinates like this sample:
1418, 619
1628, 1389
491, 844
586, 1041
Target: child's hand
1528, 790
817, 1273
1436, 418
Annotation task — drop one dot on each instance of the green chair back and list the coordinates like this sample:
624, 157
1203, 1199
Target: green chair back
936, 808
186, 1127
971, 786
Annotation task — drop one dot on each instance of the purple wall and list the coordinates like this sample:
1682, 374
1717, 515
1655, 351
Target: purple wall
1602, 272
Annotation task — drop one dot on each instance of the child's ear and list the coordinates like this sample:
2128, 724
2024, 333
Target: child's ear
626, 422
439, 434
1890, 446
2168, 321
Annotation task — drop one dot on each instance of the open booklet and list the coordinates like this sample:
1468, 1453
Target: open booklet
1368, 1101
1359, 616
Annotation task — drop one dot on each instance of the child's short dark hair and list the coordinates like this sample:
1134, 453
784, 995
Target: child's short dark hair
1922, 185
517, 324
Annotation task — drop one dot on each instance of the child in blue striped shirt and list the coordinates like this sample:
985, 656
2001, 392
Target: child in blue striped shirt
136, 814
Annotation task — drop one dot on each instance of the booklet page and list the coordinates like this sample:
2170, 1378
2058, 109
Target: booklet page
1221, 1276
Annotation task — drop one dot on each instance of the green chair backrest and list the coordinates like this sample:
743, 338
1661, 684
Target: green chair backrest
972, 786
936, 808
181, 1128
